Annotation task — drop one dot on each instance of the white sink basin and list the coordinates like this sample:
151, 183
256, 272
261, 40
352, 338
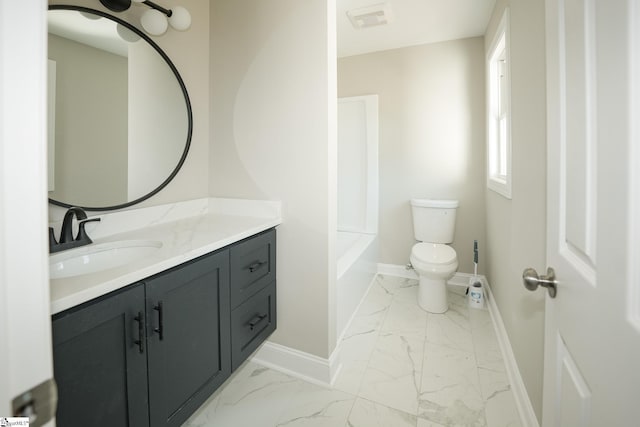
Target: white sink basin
98, 257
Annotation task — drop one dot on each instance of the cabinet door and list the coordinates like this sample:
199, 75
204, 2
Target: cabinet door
100, 369
189, 339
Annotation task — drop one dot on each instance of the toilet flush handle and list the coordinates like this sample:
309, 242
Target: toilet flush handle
532, 280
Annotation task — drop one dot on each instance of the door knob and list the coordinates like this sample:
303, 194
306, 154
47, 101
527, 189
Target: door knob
532, 280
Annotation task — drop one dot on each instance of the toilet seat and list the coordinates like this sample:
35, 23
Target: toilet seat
433, 254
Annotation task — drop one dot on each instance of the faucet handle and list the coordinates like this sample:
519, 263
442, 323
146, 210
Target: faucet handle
82, 233
66, 234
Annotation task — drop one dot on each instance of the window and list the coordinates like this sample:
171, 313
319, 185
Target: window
499, 111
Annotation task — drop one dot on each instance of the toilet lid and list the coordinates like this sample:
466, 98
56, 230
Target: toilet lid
434, 253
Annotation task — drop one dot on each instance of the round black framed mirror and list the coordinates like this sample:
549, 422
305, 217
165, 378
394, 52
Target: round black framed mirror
120, 118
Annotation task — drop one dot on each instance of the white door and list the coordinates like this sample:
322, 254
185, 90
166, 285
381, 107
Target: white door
25, 325
592, 331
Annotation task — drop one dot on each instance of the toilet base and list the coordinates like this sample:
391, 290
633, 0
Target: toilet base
432, 295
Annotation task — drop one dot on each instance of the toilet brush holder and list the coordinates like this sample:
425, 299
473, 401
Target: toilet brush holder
476, 295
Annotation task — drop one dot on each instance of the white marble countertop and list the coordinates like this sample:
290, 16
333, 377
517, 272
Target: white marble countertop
215, 224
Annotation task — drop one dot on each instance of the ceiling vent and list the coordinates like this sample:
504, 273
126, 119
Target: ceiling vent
370, 16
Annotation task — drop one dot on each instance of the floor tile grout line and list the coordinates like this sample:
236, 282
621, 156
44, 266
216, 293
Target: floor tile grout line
394, 294
475, 357
422, 367
280, 421
353, 404
396, 290
406, 282
377, 336
384, 317
373, 402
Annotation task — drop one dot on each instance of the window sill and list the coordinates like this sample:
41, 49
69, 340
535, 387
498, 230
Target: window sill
502, 187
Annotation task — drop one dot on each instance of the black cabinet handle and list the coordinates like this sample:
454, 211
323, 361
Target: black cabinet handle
256, 320
160, 328
140, 341
256, 265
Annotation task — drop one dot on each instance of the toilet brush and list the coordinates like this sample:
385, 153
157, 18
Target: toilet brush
476, 295
474, 279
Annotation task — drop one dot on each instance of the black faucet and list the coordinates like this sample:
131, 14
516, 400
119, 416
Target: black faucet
66, 233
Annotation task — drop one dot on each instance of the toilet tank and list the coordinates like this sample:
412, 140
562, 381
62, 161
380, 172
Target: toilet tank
434, 221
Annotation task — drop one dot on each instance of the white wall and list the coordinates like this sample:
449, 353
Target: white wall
358, 189
25, 323
516, 229
431, 109
273, 108
352, 166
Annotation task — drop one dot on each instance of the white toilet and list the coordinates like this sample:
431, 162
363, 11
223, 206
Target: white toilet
435, 262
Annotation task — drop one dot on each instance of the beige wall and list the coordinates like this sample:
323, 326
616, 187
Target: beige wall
158, 120
431, 107
189, 51
516, 229
272, 137
90, 157
273, 108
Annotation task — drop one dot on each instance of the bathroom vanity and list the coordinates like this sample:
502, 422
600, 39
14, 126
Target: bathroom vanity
148, 351
155, 310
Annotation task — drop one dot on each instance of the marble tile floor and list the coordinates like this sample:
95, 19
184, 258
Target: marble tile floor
401, 366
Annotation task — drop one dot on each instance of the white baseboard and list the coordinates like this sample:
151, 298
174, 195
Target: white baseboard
459, 279
527, 415
316, 369
523, 402
323, 371
463, 279
397, 270
299, 364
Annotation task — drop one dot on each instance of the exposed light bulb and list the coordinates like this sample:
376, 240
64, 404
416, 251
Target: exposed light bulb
154, 22
180, 18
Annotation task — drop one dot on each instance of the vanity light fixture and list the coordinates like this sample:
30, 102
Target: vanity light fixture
157, 19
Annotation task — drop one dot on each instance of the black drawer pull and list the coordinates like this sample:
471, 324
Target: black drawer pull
140, 341
256, 320
256, 266
160, 328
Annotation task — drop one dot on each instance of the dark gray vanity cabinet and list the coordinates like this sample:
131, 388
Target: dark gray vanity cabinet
253, 294
151, 353
187, 337
253, 265
100, 362
251, 323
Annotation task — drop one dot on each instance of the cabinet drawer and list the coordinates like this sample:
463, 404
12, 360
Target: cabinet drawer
251, 323
253, 266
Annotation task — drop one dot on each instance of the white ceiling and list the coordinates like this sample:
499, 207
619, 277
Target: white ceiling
413, 22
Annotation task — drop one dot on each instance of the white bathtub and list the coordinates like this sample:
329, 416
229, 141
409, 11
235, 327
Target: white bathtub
357, 203
356, 267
